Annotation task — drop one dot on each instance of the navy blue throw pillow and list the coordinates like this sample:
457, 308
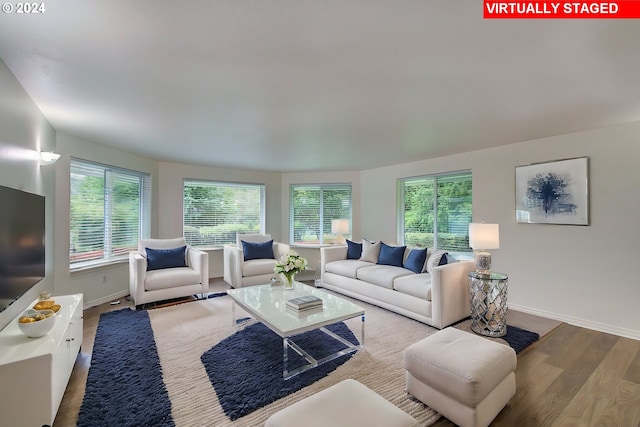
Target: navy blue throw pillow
257, 250
391, 255
354, 250
415, 260
444, 259
165, 258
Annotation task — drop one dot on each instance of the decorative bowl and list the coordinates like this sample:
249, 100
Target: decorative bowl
40, 323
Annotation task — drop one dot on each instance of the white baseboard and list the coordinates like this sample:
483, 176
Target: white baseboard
106, 299
596, 326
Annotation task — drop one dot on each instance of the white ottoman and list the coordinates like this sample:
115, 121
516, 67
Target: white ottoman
346, 404
466, 378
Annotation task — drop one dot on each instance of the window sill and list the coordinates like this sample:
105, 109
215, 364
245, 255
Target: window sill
88, 268
315, 246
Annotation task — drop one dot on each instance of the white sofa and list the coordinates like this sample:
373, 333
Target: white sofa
239, 273
439, 298
167, 283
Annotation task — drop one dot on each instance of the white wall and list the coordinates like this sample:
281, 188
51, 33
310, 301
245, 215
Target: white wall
23, 132
170, 182
580, 274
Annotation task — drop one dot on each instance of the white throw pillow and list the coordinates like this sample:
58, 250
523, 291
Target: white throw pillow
434, 259
370, 251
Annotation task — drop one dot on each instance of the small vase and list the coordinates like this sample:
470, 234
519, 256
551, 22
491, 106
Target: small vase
287, 280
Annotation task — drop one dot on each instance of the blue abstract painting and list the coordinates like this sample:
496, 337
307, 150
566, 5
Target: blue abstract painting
553, 192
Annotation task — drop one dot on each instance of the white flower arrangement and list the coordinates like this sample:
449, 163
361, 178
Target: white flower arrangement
290, 264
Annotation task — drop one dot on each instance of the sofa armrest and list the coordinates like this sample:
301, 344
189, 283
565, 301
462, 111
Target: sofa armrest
450, 293
199, 261
329, 254
280, 249
233, 259
137, 275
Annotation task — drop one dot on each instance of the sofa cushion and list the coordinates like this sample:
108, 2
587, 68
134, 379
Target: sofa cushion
171, 278
370, 251
354, 250
166, 258
346, 267
391, 255
253, 250
416, 285
256, 267
382, 275
415, 260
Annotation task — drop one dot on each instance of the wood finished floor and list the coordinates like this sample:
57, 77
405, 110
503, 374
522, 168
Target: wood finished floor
572, 377
575, 377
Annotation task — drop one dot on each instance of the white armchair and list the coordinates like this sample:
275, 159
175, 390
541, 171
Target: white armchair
167, 281
239, 273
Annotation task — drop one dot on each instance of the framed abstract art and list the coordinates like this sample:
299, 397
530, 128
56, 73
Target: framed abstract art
555, 192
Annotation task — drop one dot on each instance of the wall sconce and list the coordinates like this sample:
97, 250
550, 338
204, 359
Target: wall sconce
482, 237
48, 157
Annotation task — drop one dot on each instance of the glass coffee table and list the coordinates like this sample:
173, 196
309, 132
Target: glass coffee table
268, 305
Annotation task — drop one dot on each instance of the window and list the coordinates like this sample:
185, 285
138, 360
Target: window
435, 211
316, 211
110, 212
213, 212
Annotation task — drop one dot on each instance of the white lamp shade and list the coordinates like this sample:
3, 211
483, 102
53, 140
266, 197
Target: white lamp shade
484, 236
340, 226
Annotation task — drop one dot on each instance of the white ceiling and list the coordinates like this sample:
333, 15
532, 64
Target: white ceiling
303, 85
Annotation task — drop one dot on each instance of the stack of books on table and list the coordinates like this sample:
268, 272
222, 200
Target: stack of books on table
305, 303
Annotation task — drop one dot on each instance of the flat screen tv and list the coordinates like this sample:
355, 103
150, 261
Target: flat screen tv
22, 218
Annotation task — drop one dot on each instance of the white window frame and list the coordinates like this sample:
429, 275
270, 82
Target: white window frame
144, 218
223, 184
400, 203
322, 232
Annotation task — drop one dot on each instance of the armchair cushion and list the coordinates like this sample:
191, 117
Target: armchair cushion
257, 267
158, 259
257, 250
171, 278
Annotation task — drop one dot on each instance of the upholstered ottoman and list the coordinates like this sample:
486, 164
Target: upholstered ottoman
466, 378
346, 404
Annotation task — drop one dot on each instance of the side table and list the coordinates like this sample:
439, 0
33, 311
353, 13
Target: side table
488, 294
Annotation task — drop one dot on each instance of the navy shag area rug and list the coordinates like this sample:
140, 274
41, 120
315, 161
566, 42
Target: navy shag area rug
124, 384
519, 339
246, 368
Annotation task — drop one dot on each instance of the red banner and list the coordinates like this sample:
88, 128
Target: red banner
623, 9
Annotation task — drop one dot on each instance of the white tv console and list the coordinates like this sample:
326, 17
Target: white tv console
35, 371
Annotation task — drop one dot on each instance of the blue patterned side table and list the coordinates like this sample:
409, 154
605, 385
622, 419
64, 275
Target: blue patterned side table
488, 294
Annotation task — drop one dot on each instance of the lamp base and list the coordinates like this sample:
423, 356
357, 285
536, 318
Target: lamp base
483, 262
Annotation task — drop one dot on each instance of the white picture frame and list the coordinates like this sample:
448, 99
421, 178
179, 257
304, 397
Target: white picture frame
554, 192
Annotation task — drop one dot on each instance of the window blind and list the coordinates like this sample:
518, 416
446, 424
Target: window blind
109, 212
313, 210
435, 211
214, 212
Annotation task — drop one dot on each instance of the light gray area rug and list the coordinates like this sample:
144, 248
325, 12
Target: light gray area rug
183, 332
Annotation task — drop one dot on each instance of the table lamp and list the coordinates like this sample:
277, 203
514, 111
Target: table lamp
482, 237
340, 227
